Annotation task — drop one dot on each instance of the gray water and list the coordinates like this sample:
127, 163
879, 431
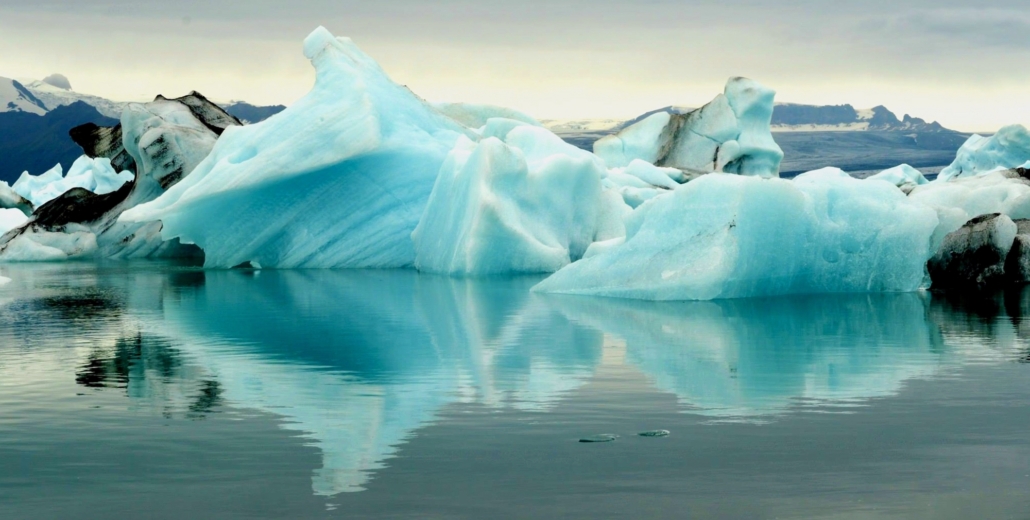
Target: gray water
155, 391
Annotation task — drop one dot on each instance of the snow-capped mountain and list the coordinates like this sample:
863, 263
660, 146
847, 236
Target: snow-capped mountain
55, 91
568, 126
14, 97
791, 117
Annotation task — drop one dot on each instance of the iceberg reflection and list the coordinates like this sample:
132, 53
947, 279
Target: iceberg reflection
356, 362
756, 357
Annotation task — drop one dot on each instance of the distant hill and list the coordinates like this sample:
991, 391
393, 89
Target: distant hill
35, 143
788, 117
250, 114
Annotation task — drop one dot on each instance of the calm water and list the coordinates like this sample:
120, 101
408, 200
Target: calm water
150, 391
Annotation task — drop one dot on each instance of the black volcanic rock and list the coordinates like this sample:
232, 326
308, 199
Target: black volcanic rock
250, 114
974, 257
33, 143
104, 141
78, 205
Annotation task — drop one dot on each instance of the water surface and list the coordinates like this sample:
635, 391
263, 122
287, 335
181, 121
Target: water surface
157, 391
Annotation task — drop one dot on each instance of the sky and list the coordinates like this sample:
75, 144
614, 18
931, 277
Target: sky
943, 60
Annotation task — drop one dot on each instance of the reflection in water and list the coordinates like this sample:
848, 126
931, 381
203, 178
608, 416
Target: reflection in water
357, 362
747, 358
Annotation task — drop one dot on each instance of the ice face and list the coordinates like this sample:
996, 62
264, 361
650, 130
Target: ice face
1009, 148
10, 219
95, 175
901, 175
731, 134
964, 198
730, 236
525, 204
641, 141
338, 179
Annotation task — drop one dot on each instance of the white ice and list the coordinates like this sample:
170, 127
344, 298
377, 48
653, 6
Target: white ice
731, 134
95, 175
338, 179
1008, 148
965, 198
522, 201
730, 236
11, 219
901, 175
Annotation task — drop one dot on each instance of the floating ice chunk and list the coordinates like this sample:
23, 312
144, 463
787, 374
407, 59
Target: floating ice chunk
729, 236
27, 186
730, 134
11, 219
11, 200
476, 116
531, 204
901, 175
95, 175
1008, 148
966, 198
338, 179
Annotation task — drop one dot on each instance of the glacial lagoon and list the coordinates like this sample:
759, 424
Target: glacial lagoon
131, 390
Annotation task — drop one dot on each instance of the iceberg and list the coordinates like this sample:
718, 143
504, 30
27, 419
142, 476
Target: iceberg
522, 201
11, 218
95, 175
903, 176
730, 134
338, 179
11, 200
1009, 148
163, 141
732, 236
965, 198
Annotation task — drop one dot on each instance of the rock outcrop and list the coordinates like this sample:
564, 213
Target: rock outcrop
974, 257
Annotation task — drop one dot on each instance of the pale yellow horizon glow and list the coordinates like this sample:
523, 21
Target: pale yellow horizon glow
128, 63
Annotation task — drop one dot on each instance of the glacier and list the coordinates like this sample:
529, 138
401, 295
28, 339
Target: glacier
730, 134
521, 201
1009, 148
733, 236
344, 173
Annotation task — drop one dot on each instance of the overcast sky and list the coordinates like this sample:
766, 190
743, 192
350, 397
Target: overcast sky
968, 67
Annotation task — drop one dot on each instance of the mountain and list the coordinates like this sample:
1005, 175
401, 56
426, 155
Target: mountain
14, 97
53, 93
35, 143
250, 114
790, 117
